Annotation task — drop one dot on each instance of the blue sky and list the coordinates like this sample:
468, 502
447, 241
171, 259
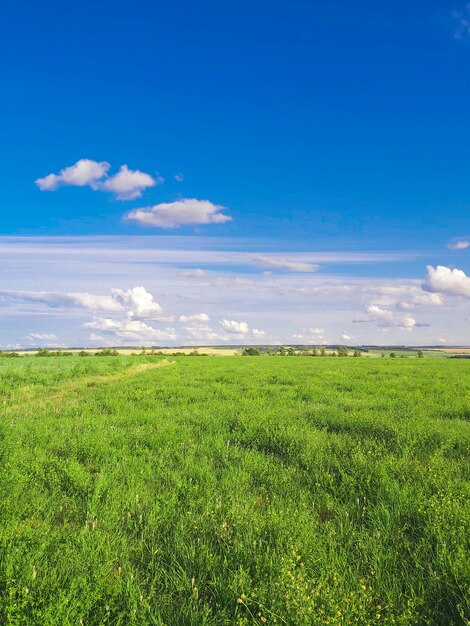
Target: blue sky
291, 167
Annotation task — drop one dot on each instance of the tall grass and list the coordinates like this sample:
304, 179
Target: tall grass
234, 491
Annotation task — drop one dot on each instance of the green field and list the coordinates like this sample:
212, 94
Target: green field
234, 490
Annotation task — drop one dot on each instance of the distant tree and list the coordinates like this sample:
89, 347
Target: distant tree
420, 354
322, 352
84, 353
291, 352
334, 353
252, 351
6, 354
107, 352
382, 355
357, 353
43, 352
343, 351
282, 351
314, 352
392, 355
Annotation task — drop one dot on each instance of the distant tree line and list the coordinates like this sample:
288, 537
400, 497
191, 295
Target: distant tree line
341, 351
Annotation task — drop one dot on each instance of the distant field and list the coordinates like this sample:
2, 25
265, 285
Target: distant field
185, 491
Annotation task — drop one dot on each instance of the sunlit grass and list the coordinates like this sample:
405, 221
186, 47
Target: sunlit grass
234, 491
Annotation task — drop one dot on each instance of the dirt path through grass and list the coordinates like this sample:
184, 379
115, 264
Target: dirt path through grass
69, 388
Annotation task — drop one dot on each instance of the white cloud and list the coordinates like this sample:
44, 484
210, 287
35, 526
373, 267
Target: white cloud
442, 279
463, 244
315, 331
241, 330
237, 328
66, 300
389, 319
42, 337
130, 330
188, 211
140, 304
346, 337
197, 318
128, 184
179, 177
421, 298
84, 172
203, 333
137, 302
125, 185
282, 304
283, 263
196, 273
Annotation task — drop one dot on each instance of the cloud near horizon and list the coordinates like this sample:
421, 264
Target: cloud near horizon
125, 185
390, 319
442, 279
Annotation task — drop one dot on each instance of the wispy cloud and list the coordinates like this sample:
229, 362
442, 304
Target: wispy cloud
463, 22
125, 185
283, 263
42, 337
108, 275
461, 244
186, 212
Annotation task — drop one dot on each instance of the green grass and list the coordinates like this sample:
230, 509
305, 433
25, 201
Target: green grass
235, 490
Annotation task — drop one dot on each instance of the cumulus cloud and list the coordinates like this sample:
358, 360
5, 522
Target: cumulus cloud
237, 328
130, 330
442, 279
462, 244
128, 184
125, 185
198, 318
241, 330
390, 319
140, 304
126, 311
84, 172
185, 212
346, 337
